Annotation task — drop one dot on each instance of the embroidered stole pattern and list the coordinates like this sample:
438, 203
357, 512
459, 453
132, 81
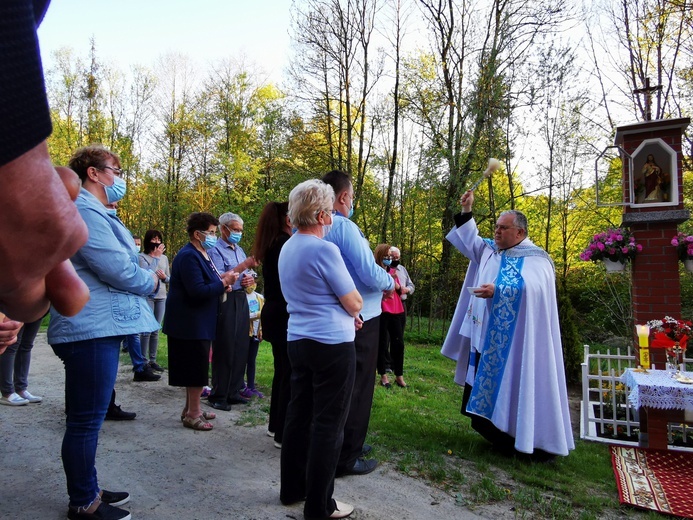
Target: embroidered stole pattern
499, 335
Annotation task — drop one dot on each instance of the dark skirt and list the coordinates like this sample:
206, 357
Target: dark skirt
188, 362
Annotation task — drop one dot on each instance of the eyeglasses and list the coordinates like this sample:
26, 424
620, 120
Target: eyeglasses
209, 233
500, 227
387, 258
118, 171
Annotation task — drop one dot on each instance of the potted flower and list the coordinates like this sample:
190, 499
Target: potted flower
684, 249
614, 247
671, 334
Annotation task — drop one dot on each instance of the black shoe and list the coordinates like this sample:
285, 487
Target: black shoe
237, 399
103, 512
219, 405
156, 366
115, 498
116, 414
360, 467
146, 374
367, 448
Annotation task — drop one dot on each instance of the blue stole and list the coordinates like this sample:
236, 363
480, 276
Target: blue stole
505, 307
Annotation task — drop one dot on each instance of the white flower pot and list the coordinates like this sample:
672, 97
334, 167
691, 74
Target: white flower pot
613, 267
688, 264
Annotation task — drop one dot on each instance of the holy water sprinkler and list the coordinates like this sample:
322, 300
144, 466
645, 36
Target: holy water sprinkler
493, 165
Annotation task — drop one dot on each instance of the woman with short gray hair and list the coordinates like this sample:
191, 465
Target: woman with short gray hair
323, 306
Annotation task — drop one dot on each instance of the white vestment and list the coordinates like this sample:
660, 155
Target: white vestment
531, 401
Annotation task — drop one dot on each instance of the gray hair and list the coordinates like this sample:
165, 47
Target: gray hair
307, 200
394, 249
229, 217
519, 219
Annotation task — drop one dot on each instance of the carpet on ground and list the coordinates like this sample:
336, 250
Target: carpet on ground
654, 479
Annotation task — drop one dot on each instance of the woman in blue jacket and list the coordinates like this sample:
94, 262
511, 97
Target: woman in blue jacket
195, 290
89, 342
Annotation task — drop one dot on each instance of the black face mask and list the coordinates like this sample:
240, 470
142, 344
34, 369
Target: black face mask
394, 264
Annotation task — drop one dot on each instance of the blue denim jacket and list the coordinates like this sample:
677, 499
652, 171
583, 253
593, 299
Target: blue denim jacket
107, 263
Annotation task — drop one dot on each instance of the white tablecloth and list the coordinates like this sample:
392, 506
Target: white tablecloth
657, 389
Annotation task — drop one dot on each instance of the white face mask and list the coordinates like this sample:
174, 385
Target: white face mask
326, 229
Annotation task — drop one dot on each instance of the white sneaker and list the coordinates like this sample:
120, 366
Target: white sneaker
30, 397
343, 510
13, 400
278, 445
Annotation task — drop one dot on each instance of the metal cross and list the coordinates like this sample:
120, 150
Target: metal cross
648, 90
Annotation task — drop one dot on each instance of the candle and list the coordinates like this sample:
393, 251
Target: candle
643, 332
643, 335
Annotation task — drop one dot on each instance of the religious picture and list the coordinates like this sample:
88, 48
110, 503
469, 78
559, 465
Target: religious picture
652, 183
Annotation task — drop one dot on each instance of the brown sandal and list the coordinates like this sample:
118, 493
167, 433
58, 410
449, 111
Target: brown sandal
197, 423
207, 416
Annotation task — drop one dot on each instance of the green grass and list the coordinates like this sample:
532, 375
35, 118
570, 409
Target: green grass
421, 431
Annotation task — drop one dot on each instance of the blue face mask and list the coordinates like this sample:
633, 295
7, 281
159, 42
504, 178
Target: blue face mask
112, 212
351, 211
209, 242
235, 237
387, 262
116, 191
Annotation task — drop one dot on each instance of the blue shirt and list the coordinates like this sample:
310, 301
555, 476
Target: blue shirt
118, 286
226, 257
370, 279
313, 277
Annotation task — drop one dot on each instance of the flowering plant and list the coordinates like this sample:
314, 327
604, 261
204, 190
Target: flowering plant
684, 246
615, 244
670, 329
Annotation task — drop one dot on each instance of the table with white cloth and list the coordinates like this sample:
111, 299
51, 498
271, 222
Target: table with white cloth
660, 399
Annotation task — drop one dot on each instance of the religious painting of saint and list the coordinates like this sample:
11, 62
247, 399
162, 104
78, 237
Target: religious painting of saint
652, 183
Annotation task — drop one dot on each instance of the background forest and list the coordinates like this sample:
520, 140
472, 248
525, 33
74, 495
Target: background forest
411, 98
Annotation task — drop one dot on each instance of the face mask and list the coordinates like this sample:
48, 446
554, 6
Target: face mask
209, 242
326, 230
116, 191
395, 263
351, 211
386, 263
235, 237
112, 212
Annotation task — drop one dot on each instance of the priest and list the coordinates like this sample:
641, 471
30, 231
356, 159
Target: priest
505, 338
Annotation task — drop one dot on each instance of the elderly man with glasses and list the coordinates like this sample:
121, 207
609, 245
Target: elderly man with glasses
506, 340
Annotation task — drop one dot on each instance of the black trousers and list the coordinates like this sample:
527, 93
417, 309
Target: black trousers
230, 348
322, 379
356, 427
391, 344
281, 388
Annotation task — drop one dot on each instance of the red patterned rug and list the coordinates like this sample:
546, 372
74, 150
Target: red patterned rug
654, 479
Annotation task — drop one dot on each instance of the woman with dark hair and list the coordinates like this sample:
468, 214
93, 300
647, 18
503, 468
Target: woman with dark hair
88, 343
154, 259
273, 230
196, 289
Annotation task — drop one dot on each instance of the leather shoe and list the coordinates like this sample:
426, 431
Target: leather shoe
237, 399
342, 510
360, 467
367, 448
219, 405
115, 413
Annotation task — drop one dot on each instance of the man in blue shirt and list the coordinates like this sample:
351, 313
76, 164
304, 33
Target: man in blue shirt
230, 348
371, 280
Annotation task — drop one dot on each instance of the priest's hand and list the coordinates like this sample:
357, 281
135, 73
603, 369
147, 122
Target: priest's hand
486, 290
466, 201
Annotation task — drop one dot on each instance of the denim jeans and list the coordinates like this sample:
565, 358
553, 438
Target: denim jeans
150, 340
90, 372
132, 342
322, 380
15, 361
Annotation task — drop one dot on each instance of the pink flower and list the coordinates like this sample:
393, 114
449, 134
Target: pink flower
675, 241
600, 246
624, 250
638, 247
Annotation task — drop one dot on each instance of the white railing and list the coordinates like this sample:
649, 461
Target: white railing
605, 411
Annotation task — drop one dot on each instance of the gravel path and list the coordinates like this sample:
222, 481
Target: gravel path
171, 472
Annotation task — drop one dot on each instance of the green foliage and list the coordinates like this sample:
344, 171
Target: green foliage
570, 337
